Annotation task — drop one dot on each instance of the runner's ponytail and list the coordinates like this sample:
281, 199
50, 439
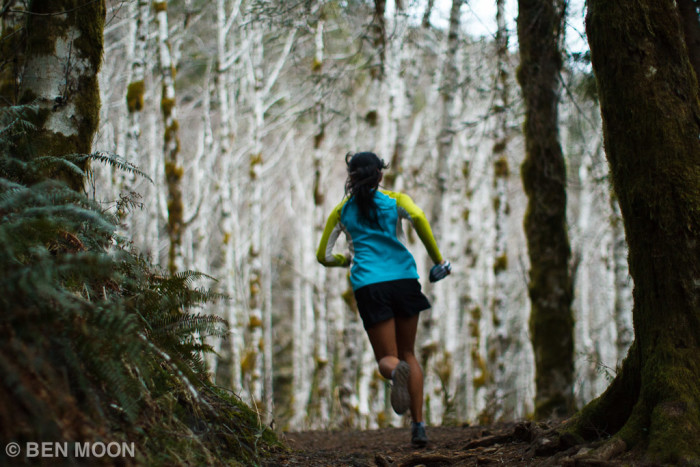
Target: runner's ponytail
364, 174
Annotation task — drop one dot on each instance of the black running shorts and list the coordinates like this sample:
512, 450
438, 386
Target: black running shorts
385, 300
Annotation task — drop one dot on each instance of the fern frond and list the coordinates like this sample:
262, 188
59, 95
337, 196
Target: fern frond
186, 325
16, 126
189, 277
113, 161
16, 112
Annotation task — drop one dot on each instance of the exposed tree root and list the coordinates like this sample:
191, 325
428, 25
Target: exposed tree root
663, 416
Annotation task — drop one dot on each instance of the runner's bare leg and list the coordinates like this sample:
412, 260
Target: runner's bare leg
405, 341
382, 336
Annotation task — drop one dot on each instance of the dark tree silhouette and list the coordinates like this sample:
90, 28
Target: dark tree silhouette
651, 121
543, 173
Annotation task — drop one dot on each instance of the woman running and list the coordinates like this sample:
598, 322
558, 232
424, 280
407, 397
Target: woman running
384, 277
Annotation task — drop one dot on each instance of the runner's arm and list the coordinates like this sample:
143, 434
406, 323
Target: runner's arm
324, 253
409, 210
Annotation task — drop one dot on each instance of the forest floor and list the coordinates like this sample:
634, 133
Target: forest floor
506, 444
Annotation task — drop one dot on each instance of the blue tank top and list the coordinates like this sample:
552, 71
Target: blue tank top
379, 254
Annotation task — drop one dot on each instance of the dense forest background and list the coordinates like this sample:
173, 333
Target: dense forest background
242, 112
167, 168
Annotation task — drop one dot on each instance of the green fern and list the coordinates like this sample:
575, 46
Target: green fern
92, 329
113, 161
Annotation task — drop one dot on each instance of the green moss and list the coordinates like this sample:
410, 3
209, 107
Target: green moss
389, 178
318, 195
90, 21
134, 96
465, 214
501, 167
443, 368
466, 170
482, 377
166, 107
51, 25
499, 146
254, 322
171, 136
372, 118
428, 351
319, 137
500, 264
173, 171
248, 362
255, 161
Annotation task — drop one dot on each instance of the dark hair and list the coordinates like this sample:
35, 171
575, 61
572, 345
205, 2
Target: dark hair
364, 173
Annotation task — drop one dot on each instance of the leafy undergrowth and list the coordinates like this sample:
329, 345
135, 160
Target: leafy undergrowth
97, 345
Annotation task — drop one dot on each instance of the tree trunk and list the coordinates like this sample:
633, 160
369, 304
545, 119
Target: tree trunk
445, 139
426, 14
171, 141
379, 31
55, 60
228, 369
651, 121
136, 88
500, 342
540, 30
400, 112
322, 369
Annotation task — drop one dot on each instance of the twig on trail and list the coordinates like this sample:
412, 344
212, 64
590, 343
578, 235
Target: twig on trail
489, 441
435, 460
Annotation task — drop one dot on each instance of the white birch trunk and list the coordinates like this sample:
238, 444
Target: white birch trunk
228, 372
136, 88
400, 113
322, 376
445, 138
255, 345
303, 297
436, 321
499, 341
590, 359
171, 142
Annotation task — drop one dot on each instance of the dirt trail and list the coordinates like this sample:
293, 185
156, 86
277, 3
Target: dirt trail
509, 444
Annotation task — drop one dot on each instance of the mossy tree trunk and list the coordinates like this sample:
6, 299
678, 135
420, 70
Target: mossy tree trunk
56, 52
228, 369
136, 88
171, 141
651, 121
540, 31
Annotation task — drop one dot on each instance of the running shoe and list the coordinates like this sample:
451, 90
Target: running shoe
400, 398
418, 437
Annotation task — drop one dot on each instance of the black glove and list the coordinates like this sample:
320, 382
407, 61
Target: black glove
440, 271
